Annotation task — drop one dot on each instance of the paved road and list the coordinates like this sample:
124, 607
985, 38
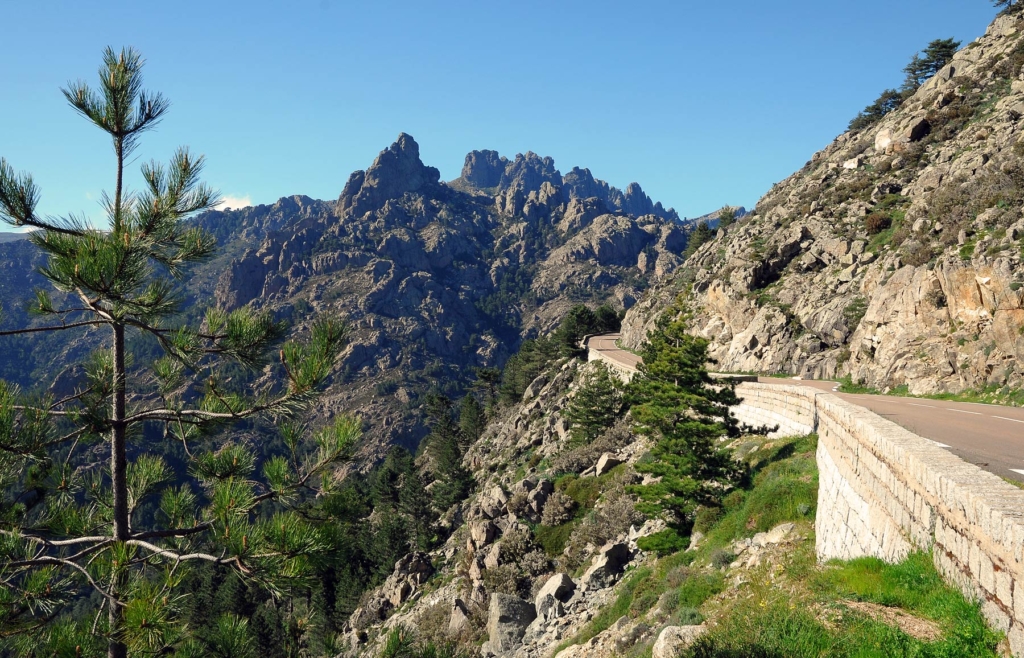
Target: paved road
989, 436
605, 344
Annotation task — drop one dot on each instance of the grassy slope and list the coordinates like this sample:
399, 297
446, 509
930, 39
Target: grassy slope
790, 606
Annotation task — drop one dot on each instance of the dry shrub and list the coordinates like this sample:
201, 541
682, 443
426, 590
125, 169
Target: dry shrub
917, 253
506, 579
515, 543
580, 459
558, 509
877, 222
604, 524
518, 504
432, 624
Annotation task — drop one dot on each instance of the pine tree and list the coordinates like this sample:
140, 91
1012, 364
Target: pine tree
675, 401
1007, 5
596, 405
872, 114
923, 66
488, 380
472, 419
445, 447
83, 532
698, 236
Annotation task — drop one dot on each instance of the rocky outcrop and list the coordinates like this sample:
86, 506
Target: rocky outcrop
484, 169
894, 256
606, 567
507, 619
396, 171
551, 597
581, 184
673, 640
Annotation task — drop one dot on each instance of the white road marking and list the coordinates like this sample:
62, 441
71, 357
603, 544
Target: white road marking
927, 406
1012, 420
1017, 470
963, 412
937, 444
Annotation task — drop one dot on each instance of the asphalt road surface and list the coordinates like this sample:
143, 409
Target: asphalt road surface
987, 435
606, 344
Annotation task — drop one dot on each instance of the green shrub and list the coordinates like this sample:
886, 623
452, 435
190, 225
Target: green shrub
706, 517
666, 542
855, 312
698, 588
553, 539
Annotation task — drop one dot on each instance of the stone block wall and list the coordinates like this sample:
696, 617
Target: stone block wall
885, 491
790, 407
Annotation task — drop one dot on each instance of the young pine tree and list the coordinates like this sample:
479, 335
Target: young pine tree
73, 475
675, 401
596, 405
700, 235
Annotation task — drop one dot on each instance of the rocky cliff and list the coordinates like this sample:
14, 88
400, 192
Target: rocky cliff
434, 278
894, 255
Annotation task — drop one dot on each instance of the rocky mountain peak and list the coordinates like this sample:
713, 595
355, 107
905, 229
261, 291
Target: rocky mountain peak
484, 169
528, 172
396, 171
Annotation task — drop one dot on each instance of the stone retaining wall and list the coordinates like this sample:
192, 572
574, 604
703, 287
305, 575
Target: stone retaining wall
625, 372
885, 491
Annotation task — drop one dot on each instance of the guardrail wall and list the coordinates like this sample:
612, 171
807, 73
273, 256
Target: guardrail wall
884, 492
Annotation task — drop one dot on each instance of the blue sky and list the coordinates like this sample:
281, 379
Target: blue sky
702, 103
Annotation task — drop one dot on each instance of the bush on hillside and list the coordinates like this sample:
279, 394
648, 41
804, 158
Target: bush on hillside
583, 457
877, 222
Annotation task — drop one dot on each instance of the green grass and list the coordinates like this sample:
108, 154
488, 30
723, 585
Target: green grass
553, 539
796, 611
610, 614
773, 623
784, 488
847, 385
1016, 483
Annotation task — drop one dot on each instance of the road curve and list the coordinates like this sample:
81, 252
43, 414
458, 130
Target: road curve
986, 435
606, 346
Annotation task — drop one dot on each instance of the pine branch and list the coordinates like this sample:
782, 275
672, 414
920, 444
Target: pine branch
59, 327
61, 562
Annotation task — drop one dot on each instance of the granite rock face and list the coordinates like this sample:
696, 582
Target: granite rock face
434, 279
397, 170
484, 169
894, 256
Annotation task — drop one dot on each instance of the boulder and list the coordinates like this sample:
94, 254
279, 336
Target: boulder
779, 532
539, 497
493, 558
476, 571
507, 619
674, 639
482, 533
459, 620
606, 567
375, 611
416, 565
552, 595
492, 504
607, 462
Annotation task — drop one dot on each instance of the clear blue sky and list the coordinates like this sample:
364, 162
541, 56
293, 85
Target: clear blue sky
702, 103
